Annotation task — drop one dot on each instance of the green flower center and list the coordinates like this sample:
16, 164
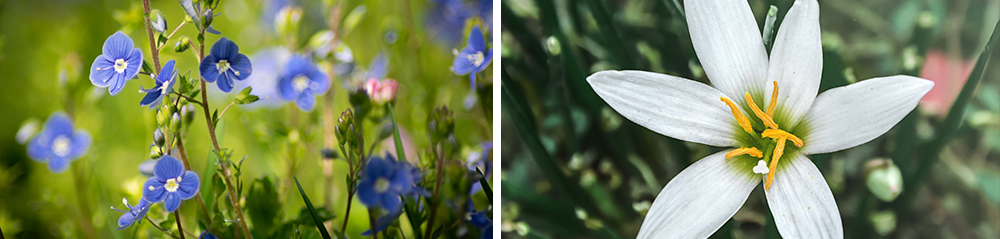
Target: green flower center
381, 185
120, 65
764, 135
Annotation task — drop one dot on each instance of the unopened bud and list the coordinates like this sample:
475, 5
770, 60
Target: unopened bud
158, 137
883, 179
183, 44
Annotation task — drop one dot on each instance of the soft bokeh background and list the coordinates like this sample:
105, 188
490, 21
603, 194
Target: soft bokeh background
47, 47
560, 137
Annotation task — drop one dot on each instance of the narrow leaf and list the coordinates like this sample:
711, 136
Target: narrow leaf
312, 210
400, 152
486, 185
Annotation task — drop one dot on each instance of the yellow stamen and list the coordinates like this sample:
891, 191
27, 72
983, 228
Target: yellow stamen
774, 100
778, 134
739, 116
760, 114
741, 151
778, 150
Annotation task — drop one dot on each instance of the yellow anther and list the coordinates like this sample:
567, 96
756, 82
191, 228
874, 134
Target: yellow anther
774, 100
739, 116
752, 151
760, 114
778, 134
778, 150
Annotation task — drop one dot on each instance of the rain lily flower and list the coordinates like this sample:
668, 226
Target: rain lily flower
384, 221
119, 63
226, 64
302, 81
134, 213
746, 110
381, 91
58, 143
170, 183
385, 180
164, 85
474, 57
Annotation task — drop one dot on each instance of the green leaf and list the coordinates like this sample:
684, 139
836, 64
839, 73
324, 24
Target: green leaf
146, 67
400, 152
989, 183
265, 208
208, 185
486, 185
352, 19
312, 210
215, 117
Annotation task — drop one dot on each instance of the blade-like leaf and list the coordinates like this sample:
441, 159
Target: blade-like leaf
400, 152
312, 210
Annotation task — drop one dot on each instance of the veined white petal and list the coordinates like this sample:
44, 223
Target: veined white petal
696, 202
796, 61
802, 203
848, 116
728, 43
669, 105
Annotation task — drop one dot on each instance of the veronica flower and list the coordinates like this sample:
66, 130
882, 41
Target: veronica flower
58, 143
302, 81
134, 213
480, 220
384, 221
746, 110
480, 159
385, 180
474, 57
170, 183
207, 235
164, 86
447, 19
381, 91
119, 63
226, 64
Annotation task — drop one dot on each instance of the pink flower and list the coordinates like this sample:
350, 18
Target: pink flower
949, 74
381, 91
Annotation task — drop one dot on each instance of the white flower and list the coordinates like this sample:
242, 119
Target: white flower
696, 202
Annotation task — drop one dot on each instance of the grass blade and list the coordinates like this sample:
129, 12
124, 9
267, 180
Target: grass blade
486, 185
312, 210
400, 153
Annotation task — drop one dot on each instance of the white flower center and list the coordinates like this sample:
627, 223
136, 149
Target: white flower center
771, 131
172, 184
300, 83
120, 65
223, 66
381, 185
61, 146
477, 59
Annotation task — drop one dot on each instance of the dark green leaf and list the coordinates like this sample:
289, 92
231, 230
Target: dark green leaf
395, 134
312, 210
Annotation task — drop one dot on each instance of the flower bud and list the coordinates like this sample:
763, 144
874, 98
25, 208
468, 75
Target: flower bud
329, 154
183, 44
883, 179
155, 152
207, 19
381, 92
287, 20
344, 128
159, 23
158, 137
440, 124
187, 112
175, 122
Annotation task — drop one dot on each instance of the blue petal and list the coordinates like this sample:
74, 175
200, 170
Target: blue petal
39, 149
212, 30
285, 87
157, 193
117, 83
167, 73
472, 80
125, 220
384, 221
322, 82
58, 164
487, 233
117, 46
80, 142
224, 49
152, 99
391, 201
297, 65
188, 6
366, 193
463, 63
306, 101
101, 71
189, 185
208, 69
476, 40
241, 64
226, 82
58, 124
134, 63
377, 167
168, 167
171, 202
207, 235
379, 67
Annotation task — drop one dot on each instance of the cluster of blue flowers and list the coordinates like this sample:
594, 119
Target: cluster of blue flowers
384, 183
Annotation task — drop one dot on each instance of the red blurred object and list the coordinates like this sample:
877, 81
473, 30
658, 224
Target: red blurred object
949, 75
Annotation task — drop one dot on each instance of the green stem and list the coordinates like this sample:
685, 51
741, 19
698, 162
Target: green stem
81, 198
177, 217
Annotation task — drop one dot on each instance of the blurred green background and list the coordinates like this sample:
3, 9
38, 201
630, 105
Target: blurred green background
574, 168
47, 47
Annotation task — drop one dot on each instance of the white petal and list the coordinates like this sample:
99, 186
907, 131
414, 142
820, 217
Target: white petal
669, 105
801, 202
851, 115
728, 43
796, 61
696, 202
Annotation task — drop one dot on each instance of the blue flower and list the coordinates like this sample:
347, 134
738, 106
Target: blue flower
164, 85
226, 64
385, 180
134, 213
447, 18
301, 81
474, 57
207, 235
480, 220
119, 63
480, 160
170, 183
58, 143
384, 221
